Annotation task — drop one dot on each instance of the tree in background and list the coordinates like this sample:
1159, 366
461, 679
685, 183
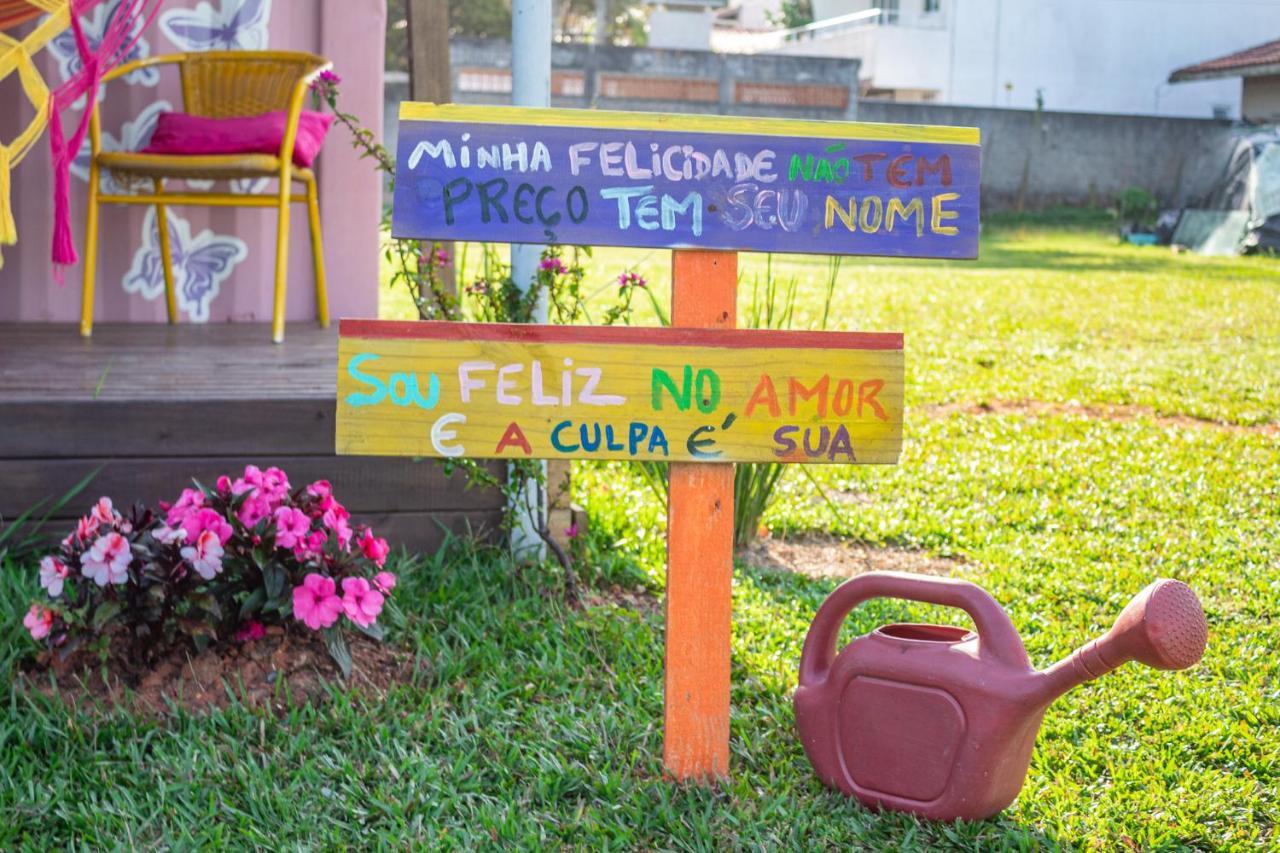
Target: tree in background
575, 21
791, 14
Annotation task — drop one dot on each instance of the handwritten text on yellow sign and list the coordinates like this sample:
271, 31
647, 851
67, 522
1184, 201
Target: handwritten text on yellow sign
449, 389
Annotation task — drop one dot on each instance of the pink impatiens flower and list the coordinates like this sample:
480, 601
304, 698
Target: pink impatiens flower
53, 572
39, 621
251, 631
188, 502
85, 528
373, 548
166, 535
103, 512
335, 518
315, 603
205, 555
292, 526
253, 510
384, 581
107, 561
312, 547
320, 489
200, 520
361, 602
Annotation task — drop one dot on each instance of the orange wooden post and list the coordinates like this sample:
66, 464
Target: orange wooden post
699, 554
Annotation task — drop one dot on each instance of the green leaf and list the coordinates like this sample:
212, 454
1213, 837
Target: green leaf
336, 642
373, 632
253, 603
104, 613
273, 576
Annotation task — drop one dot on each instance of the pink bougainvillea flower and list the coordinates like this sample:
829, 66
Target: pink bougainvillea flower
553, 264
335, 519
250, 631
631, 279
373, 548
53, 573
205, 555
188, 502
361, 602
39, 621
206, 519
315, 603
107, 561
292, 527
384, 581
103, 512
572, 531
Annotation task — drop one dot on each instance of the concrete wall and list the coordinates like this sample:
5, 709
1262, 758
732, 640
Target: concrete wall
1031, 160
626, 78
650, 80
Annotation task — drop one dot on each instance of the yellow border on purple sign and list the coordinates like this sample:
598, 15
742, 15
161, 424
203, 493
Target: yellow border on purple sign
752, 126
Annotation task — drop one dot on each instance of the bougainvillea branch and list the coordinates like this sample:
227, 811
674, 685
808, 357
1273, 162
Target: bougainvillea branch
492, 297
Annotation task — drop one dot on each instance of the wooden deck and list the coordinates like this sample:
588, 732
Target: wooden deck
157, 405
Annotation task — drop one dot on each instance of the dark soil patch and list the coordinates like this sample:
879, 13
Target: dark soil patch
638, 599
1097, 411
826, 556
281, 670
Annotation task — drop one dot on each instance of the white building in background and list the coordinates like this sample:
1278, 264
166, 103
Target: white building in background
1109, 56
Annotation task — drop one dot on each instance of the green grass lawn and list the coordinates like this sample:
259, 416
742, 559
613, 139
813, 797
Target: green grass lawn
533, 724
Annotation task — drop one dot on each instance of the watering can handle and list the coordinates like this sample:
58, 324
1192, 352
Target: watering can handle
997, 637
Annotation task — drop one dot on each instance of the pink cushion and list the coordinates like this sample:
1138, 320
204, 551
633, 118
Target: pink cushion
180, 133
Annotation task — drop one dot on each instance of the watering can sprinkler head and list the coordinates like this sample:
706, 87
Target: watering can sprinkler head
1163, 626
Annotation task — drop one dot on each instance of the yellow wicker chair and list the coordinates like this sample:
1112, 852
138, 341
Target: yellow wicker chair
220, 84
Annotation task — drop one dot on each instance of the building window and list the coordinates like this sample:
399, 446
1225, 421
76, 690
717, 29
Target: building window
888, 10
932, 6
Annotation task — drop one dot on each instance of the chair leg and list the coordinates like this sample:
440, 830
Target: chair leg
166, 256
90, 255
282, 258
317, 253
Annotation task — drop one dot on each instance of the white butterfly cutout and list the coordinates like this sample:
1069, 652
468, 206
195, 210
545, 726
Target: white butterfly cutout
200, 264
234, 25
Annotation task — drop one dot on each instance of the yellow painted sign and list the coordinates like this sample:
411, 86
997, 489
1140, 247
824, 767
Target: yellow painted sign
656, 394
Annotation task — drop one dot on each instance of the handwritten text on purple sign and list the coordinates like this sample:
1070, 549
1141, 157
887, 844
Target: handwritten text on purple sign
659, 188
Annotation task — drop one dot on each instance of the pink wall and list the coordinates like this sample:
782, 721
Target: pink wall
225, 265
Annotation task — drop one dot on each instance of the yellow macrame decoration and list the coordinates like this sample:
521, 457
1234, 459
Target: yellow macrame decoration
16, 57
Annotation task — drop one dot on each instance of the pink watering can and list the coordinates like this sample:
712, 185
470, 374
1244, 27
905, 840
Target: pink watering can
940, 721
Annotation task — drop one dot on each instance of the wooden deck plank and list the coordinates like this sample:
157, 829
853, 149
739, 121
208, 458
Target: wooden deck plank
159, 404
383, 484
41, 363
297, 427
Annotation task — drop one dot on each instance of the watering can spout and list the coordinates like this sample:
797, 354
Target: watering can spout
1163, 626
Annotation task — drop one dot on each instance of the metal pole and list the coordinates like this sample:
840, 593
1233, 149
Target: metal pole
530, 87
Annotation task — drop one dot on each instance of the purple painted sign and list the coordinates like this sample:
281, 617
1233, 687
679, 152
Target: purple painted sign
681, 181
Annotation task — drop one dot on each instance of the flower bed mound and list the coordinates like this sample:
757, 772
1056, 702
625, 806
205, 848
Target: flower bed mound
278, 671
